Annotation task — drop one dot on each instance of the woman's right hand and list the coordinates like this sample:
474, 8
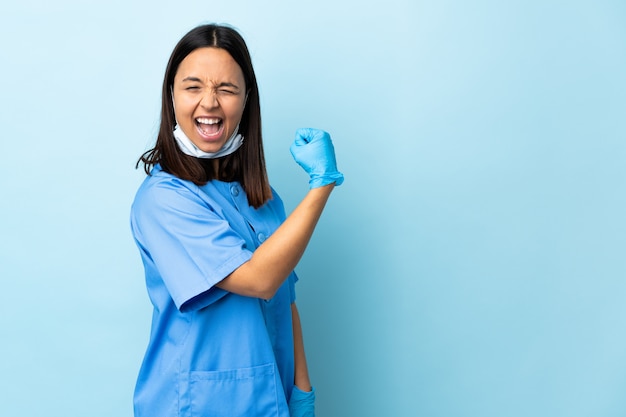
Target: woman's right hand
313, 150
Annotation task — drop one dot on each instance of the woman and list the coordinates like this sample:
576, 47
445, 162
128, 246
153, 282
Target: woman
217, 249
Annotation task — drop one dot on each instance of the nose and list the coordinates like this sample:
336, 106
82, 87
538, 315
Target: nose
209, 100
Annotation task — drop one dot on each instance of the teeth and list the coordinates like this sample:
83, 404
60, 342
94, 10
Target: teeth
208, 120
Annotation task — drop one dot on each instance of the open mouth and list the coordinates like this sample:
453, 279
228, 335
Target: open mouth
209, 126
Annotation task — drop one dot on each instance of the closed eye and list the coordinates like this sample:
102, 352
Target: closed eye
228, 88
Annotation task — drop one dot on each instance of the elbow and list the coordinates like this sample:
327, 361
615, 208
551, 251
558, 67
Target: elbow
253, 290
263, 283
247, 280
266, 291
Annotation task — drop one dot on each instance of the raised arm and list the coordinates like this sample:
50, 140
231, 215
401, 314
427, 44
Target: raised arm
274, 260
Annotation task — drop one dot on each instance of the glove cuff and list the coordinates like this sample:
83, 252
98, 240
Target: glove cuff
327, 178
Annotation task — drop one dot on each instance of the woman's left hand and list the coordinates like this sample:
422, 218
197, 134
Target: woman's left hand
301, 403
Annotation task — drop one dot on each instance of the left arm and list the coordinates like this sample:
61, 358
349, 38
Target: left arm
301, 377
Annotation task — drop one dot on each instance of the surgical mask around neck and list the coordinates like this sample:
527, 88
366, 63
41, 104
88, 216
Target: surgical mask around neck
187, 146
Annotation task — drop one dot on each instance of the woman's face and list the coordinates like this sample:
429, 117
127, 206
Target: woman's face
209, 96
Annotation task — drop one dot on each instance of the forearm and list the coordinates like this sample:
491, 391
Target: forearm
274, 260
301, 376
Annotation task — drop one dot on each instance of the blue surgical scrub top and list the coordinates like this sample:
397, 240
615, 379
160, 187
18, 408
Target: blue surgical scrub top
211, 352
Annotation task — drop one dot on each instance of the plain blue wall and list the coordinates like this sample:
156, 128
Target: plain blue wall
471, 265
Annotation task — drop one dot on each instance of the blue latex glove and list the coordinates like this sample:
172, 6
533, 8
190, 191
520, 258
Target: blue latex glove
313, 150
302, 404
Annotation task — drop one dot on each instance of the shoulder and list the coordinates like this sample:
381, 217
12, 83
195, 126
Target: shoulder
160, 181
275, 198
161, 188
275, 204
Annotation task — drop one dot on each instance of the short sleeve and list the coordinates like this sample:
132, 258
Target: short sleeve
292, 279
185, 241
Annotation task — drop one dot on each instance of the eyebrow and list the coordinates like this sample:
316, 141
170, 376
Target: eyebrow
194, 79
198, 80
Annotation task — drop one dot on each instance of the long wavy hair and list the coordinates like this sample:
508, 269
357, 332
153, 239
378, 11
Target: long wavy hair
247, 164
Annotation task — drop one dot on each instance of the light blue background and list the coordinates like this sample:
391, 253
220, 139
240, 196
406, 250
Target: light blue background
471, 265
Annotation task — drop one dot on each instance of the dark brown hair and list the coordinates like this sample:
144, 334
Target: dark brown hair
247, 164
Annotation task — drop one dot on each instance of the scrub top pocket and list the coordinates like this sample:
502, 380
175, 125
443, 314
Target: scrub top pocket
245, 392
